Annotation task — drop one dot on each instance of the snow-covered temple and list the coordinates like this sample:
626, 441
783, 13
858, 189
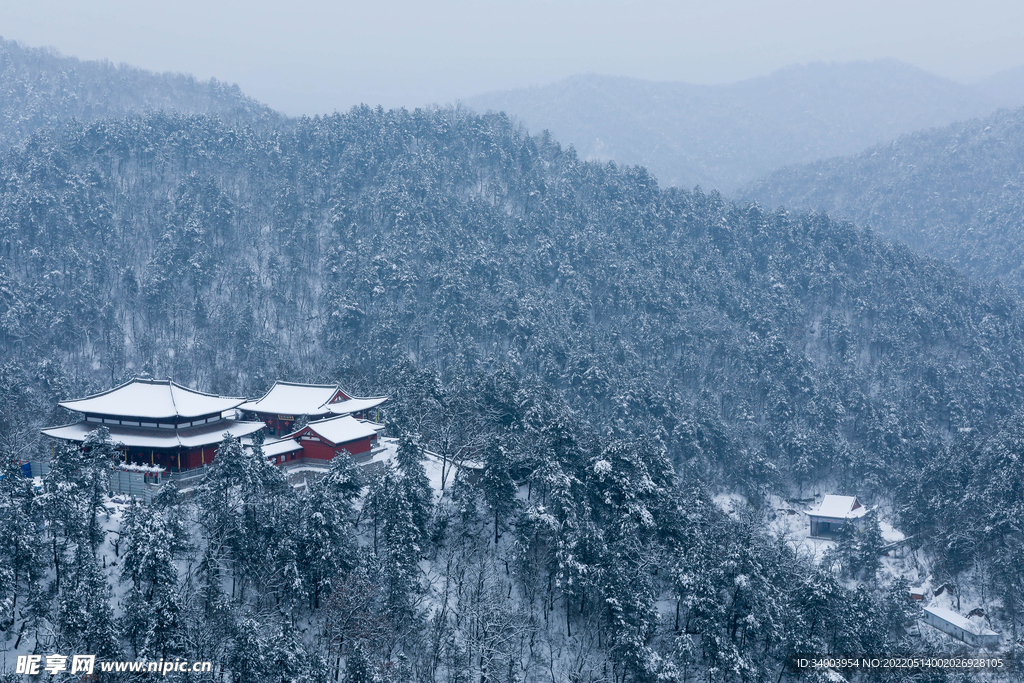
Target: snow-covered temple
159, 422
286, 402
170, 427
833, 514
325, 438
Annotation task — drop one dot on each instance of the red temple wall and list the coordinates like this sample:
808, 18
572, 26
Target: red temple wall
324, 451
198, 457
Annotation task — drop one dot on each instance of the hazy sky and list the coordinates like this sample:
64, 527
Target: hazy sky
312, 56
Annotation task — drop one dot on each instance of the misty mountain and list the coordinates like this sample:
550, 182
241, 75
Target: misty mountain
1005, 87
723, 136
40, 87
358, 245
620, 348
953, 193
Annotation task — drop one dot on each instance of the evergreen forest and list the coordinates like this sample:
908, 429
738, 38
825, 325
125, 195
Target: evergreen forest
953, 193
615, 357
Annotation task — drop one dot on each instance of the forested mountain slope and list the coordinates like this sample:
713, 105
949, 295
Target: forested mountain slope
39, 87
609, 350
956, 193
723, 136
354, 246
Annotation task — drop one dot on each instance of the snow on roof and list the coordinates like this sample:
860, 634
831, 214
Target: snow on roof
355, 405
134, 437
201, 436
290, 398
343, 429
152, 398
839, 507
959, 621
275, 448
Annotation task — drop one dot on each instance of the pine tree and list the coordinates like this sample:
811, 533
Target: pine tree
22, 559
84, 618
209, 619
98, 455
357, 668
397, 546
869, 546
326, 544
153, 620
61, 504
858, 548
414, 482
247, 652
498, 486
240, 500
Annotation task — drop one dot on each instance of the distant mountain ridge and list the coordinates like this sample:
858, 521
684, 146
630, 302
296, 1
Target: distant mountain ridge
40, 87
1006, 87
724, 136
956, 193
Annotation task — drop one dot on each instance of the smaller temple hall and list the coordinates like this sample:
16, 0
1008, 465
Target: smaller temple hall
287, 401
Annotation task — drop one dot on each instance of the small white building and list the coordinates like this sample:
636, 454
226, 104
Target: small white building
960, 627
833, 514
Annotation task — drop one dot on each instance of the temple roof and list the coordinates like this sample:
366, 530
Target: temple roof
839, 507
355, 405
153, 399
342, 429
135, 437
274, 448
290, 398
293, 399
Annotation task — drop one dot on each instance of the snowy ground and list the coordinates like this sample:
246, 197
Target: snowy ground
729, 502
431, 463
791, 521
112, 524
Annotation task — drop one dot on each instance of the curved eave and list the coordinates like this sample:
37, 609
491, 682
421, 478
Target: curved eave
355, 405
292, 398
194, 437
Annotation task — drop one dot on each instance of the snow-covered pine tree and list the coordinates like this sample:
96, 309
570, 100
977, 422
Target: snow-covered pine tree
414, 482
398, 547
84, 618
240, 501
357, 668
498, 486
326, 543
99, 453
153, 621
22, 560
